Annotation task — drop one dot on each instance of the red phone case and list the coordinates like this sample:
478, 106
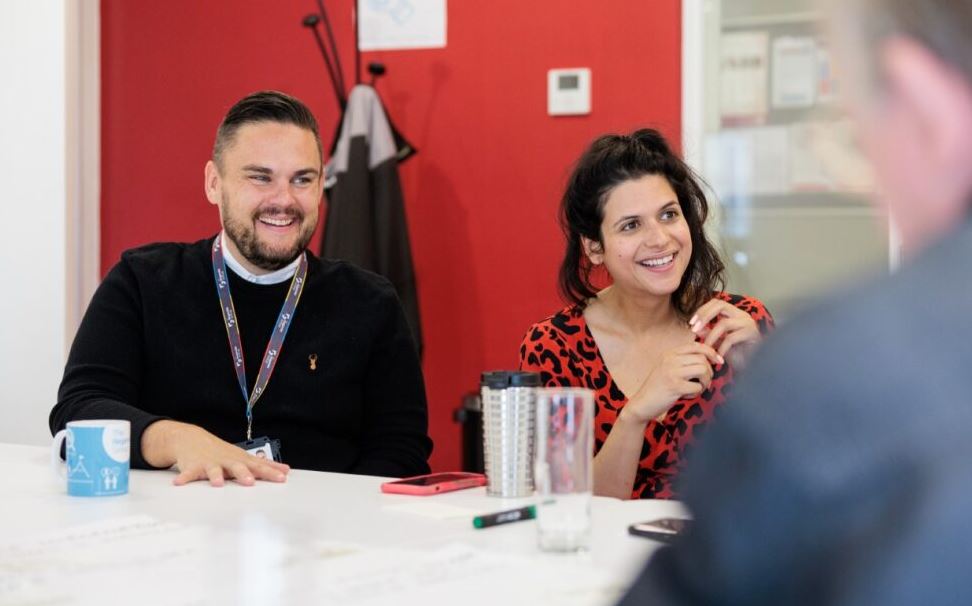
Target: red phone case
465, 480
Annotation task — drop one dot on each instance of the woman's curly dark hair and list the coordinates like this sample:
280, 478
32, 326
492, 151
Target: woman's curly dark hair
608, 162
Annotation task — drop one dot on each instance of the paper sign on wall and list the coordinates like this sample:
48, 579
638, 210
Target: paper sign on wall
795, 71
401, 24
744, 64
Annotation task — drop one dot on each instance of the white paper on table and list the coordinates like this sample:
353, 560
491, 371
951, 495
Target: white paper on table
795, 72
620, 508
109, 562
438, 511
401, 24
743, 64
458, 573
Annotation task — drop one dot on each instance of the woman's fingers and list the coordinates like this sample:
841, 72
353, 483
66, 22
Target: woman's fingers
736, 338
707, 312
725, 326
691, 388
701, 348
717, 332
684, 371
701, 371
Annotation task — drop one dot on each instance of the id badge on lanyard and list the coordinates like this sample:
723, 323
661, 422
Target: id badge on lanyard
275, 344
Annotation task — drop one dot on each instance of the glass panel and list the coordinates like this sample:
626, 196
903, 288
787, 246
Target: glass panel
793, 218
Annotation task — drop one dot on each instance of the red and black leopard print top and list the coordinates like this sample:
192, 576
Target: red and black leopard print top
562, 349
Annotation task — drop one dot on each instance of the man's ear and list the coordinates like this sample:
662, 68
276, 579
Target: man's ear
935, 96
594, 250
212, 183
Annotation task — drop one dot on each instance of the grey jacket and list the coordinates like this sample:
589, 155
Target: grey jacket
840, 472
366, 211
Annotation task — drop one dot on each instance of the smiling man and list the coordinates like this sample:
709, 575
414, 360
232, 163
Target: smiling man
242, 348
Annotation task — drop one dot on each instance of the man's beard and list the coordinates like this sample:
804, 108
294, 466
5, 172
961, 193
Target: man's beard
258, 253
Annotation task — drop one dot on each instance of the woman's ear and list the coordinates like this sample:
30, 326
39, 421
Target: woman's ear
594, 250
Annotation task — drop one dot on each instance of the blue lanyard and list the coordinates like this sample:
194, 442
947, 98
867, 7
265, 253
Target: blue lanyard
280, 329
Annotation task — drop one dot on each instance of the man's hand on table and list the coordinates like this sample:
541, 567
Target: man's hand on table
199, 455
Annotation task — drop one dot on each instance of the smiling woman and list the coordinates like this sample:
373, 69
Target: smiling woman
659, 345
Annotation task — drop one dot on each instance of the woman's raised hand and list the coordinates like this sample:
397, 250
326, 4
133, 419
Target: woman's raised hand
683, 371
733, 333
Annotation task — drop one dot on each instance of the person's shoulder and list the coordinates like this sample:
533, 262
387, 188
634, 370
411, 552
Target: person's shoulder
925, 296
747, 303
160, 259
832, 322
751, 305
929, 291
344, 279
872, 359
833, 349
552, 339
568, 322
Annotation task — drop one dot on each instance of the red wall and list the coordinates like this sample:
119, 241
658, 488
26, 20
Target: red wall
482, 193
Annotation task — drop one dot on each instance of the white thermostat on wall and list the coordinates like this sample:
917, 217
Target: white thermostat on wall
569, 91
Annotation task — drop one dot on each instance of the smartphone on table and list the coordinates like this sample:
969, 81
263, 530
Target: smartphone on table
664, 530
434, 483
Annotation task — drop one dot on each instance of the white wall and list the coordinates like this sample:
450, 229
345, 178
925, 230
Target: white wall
45, 234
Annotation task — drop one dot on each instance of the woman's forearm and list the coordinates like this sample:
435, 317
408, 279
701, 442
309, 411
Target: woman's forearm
616, 463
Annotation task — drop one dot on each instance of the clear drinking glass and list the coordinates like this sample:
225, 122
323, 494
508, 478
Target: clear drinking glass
563, 471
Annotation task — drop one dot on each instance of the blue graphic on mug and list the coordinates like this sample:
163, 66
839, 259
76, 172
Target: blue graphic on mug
97, 459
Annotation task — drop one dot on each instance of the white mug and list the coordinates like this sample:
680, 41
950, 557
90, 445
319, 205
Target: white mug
97, 455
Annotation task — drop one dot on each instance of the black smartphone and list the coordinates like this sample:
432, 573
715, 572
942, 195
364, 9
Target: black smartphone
664, 530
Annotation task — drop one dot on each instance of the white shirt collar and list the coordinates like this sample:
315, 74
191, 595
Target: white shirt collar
274, 277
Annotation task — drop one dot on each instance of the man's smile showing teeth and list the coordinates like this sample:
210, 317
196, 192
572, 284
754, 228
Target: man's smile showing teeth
277, 221
658, 262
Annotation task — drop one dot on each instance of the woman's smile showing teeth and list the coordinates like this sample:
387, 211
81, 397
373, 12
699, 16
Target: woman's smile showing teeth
658, 263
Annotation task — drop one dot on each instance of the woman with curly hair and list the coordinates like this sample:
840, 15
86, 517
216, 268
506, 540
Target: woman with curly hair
659, 344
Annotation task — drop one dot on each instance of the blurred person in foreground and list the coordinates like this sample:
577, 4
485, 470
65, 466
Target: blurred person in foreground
841, 470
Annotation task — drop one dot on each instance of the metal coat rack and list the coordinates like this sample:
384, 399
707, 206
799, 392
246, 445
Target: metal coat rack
318, 22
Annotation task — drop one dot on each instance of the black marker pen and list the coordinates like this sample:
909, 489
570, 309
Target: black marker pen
504, 517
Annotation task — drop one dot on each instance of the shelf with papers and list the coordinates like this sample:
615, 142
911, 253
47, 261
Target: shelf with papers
763, 21
791, 205
826, 201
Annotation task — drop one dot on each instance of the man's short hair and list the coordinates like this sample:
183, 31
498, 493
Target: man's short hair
263, 106
941, 26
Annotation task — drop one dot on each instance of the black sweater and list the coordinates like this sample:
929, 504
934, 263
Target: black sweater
153, 345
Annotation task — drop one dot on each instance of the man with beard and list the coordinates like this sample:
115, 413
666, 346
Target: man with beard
245, 342
839, 472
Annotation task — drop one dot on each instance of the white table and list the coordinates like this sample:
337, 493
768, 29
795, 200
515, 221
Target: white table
275, 544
